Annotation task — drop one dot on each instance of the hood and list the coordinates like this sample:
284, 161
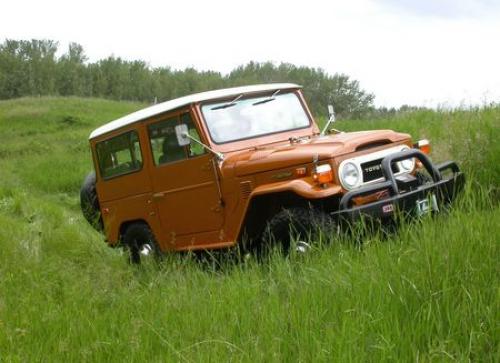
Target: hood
323, 147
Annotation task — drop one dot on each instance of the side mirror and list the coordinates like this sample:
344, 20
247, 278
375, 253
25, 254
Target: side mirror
331, 112
181, 131
331, 119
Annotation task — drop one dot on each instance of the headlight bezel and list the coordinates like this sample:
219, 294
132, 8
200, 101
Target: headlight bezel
407, 165
342, 177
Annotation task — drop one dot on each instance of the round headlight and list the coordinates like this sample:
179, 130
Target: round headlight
350, 175
407, 164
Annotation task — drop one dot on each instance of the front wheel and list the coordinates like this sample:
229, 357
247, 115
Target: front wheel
141, 243
298, 229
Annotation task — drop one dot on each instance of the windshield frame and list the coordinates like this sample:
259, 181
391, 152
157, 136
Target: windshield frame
259, 136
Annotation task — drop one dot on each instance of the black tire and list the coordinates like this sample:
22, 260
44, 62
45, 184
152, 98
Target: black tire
141, 243
89, 202
303, 225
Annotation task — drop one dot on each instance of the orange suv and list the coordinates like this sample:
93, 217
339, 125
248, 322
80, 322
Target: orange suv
211, 169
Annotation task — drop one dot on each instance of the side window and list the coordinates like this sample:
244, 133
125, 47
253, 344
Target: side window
119, 155
194, 149
164, 142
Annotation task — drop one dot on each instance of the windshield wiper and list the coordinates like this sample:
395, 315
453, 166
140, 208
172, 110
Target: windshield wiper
227, 105
266, 100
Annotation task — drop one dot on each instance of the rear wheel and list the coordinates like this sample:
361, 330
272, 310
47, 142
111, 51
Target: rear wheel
141, 243
296, 229
89, 202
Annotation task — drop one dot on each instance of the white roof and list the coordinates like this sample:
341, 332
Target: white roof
183, 101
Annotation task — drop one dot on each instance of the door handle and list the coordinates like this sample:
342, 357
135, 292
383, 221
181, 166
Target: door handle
158, 195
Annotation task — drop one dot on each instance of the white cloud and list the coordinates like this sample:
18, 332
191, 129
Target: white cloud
444, 8
403, 57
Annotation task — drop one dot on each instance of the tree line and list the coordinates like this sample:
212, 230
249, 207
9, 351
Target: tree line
33, 68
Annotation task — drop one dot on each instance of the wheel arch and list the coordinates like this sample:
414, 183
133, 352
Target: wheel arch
263, 206
124, 225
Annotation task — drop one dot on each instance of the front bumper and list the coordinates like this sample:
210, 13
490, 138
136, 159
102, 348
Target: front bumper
442, 190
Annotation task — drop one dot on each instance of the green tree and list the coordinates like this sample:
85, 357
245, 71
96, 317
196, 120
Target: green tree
320, 88
71, 71
31, 68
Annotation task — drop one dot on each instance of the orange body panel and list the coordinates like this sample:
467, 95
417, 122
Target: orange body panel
200, 202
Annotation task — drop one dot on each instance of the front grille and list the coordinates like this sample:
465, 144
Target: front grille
373, 170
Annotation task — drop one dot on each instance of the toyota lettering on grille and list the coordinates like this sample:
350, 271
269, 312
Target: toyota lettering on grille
372, 168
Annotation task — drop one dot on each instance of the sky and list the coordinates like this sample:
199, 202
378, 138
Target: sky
434, 53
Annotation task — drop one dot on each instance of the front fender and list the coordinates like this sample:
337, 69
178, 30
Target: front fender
300, 187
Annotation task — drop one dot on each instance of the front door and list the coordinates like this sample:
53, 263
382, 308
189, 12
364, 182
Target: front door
185, 189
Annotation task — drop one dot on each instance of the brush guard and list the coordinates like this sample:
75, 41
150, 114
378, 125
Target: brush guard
405, 195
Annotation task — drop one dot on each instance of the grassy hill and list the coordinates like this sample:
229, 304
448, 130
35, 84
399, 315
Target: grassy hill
429, 293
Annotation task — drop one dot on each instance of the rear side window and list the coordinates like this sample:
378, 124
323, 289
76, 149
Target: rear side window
119, 155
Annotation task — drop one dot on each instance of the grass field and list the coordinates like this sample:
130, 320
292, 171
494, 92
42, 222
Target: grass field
430, 292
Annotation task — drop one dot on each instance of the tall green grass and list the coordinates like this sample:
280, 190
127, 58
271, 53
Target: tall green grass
427, 293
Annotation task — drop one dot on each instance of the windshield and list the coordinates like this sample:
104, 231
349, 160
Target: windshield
250, 117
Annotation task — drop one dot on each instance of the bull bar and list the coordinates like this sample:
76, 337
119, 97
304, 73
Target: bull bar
445, 189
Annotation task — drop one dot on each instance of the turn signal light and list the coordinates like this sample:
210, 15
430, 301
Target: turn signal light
323, 174
424, 145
